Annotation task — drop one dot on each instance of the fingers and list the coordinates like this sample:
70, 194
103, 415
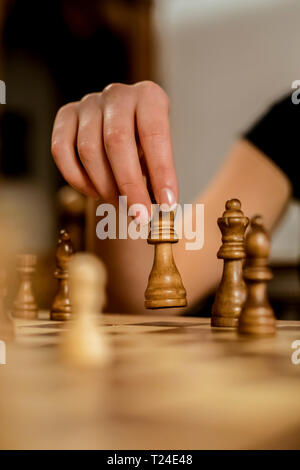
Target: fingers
102, 126
63, 150
91, 149
120, 145
152, 117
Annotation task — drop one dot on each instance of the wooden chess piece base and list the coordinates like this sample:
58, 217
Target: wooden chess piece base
257, 317
28, 312
165, 288
60, 316
61, 308
257, 321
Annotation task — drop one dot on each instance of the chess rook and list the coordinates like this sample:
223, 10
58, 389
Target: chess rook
231, 293
25, 305
61, 308
257, 316
165, 287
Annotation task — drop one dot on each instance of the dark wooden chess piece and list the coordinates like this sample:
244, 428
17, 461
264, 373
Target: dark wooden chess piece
257, 316
61, 308
72, 213
165, 287
231, 293
25, 305
7, 330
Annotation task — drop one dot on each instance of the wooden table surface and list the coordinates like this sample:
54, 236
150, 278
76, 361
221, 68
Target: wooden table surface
173, 383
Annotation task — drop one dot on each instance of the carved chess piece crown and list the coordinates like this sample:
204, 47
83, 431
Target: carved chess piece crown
165, 287
25, 305
61, 307
257, 316
231, 293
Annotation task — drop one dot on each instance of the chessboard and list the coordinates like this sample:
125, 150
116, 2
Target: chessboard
171, 383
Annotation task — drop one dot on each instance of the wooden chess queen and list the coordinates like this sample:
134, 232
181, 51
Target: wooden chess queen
231, 293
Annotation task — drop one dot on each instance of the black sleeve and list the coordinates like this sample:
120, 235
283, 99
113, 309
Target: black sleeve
277, 134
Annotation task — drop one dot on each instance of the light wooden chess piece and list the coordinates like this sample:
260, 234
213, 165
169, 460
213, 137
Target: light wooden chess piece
84, 343
7, 330
165, 287
257, 316
25, 305
231, 293
61, 308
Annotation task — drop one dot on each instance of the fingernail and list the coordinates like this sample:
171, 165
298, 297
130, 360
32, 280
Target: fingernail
142, 217
167, 199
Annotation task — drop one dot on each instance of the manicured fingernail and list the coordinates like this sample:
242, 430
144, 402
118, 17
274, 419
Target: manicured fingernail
167, 199
142, 217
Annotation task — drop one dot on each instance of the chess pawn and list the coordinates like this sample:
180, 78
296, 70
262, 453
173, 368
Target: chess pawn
25, 305
61, 308
7, 330
165, 288
231, 293
84, 343
257, 316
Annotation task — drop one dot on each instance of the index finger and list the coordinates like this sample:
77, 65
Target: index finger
152, 119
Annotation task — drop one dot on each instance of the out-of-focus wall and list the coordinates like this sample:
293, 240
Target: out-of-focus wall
222, 62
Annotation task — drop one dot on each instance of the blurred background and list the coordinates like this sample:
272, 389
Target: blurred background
222, 62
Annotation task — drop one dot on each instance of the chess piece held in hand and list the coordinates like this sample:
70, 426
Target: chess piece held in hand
25, 304
257, 316
7, 330
231, 293
84, 343
61, 308
165, 288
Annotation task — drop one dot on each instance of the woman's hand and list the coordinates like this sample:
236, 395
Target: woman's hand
96, 145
